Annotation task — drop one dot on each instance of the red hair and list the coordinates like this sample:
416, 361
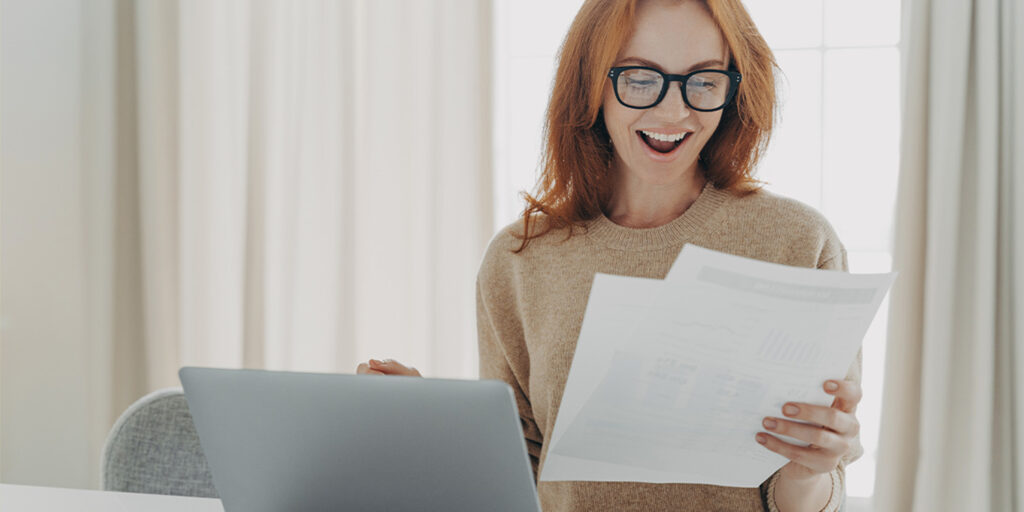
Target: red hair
575, 183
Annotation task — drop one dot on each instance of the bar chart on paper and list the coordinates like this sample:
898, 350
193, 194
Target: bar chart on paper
779, 347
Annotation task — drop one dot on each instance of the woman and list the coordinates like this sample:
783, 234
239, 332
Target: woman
659, 113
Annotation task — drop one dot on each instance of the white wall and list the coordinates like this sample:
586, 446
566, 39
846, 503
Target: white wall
55, 151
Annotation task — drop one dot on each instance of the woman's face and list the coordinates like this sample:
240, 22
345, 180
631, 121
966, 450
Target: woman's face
675, 38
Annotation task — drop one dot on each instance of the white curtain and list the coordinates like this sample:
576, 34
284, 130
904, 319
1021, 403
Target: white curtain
314, 182
284, 184
952, 434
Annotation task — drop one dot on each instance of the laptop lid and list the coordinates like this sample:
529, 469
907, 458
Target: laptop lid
302, 441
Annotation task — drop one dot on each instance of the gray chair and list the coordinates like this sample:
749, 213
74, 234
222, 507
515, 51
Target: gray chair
153, 448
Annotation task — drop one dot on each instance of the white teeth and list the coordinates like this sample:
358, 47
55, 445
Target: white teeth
664, 137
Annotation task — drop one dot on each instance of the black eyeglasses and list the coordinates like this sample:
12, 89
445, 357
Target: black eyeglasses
705, 90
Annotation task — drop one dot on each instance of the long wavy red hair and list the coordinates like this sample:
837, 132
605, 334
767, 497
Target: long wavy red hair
575, 182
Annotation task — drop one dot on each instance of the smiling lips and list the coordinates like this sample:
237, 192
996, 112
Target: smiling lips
662, 142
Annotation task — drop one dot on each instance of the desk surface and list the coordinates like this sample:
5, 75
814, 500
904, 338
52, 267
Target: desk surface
23, 498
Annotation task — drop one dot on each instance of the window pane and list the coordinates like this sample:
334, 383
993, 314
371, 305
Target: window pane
538, 26
529, 83
862, 22
788, 23
527, 36
860, 476
792, 166
861, 146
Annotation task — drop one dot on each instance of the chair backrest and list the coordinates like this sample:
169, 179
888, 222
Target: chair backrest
154, 448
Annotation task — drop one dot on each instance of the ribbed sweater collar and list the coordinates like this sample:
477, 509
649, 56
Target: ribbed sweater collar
682, 228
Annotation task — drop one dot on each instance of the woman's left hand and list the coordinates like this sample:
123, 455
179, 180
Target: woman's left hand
830, 431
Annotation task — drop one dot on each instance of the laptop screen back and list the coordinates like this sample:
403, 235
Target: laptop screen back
300, 441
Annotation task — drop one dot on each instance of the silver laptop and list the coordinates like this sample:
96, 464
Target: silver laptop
283, 441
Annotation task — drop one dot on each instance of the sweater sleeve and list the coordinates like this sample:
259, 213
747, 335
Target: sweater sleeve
503, 354
833, 261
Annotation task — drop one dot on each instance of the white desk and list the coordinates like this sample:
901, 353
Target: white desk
24, 498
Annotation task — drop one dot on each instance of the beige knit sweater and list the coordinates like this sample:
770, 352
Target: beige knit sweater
530, 308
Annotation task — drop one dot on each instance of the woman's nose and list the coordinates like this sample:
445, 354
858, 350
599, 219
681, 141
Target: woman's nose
673, 104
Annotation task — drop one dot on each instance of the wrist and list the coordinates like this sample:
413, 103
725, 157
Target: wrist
797, 491
799, 474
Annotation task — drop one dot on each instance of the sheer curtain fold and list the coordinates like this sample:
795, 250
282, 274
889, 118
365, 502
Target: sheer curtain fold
212, 142
952, 409
314, 182
156, 56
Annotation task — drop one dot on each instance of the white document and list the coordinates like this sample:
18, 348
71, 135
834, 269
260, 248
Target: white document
671, 379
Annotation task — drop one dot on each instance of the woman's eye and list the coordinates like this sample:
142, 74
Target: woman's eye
640, 83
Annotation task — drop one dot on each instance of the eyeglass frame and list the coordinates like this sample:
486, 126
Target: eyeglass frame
734, 84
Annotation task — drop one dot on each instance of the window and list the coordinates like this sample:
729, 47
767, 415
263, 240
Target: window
835, 148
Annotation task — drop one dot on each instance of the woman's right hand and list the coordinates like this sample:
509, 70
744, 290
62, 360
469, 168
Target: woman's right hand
386, 367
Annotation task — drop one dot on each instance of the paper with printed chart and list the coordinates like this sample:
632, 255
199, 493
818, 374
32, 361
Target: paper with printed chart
671, 378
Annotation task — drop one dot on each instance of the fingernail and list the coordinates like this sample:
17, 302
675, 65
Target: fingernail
770, 424
761, 438
791, 410
831, 385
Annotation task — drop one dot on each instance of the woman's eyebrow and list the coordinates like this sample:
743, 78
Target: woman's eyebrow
712, 63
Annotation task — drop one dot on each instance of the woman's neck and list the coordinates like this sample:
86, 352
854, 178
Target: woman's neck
645, 205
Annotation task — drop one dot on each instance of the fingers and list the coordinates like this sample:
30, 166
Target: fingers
816, 459
828, 431
364, 369
812, 434
843, 423
392, 367
847, 392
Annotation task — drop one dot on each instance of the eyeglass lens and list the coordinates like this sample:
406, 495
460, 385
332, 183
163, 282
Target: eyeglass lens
640, 88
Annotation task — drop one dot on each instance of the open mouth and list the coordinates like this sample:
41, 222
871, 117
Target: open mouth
662, 143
